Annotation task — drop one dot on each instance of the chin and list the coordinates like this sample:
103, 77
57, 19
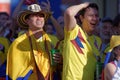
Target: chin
104, 37
92, 30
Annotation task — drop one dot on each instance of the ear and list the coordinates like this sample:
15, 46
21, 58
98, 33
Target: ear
27, 21
116, 51
81, 18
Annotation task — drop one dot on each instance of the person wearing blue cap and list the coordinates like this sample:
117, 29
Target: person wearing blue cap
105, 34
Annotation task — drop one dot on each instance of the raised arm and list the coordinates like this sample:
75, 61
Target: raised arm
17, 9
58, 27
69, 15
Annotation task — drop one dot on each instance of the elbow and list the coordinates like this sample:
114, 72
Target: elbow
68, 12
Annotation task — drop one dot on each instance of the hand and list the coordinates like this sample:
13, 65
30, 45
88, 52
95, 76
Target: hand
85, 4
58, 58
46, 6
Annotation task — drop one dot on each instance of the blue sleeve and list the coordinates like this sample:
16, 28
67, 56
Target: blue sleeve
107, 58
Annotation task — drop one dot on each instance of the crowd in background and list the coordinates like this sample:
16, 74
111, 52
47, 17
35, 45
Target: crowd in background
10, 30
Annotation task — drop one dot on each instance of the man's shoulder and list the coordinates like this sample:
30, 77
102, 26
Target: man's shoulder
22, 42
21, 37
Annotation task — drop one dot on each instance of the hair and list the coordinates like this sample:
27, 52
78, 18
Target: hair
116, 20
36, 13
82, 12
107, 19
104, 20
113, 54
27, 16
4, 13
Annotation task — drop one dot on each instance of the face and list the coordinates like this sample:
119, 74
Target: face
105, 30
36, 21
3, 19
117, 52
49, 29
116, 29
90, 20
61, 21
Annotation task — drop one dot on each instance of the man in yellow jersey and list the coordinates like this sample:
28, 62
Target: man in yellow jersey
4, 46
80, 45
29, 55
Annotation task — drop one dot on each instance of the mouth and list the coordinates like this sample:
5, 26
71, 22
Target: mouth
38, 22
107, 33
94, 24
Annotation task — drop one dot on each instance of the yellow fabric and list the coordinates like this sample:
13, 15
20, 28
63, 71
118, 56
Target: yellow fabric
77, 66
21, 32
20, 60
95, 42
5, 43
107, 49
114, 41
60, 47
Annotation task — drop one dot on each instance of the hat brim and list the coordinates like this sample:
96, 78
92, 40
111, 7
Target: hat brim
21, 17
114, 42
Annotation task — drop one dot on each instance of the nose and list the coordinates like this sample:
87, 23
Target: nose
96, 18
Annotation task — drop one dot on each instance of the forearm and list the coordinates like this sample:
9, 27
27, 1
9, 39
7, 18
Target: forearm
70, 13
18, 9
58, 27
73, 10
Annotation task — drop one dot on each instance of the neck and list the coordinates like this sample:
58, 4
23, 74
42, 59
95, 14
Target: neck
89, 33
37, 33
106, 41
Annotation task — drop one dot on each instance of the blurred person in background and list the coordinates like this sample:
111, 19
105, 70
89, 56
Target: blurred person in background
112, 68
116, 25
5, 25
5, 35
4, 46
105, 29
115, 31
49, 28
3, 17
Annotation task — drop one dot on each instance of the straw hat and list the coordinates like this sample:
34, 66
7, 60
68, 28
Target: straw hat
114, 42
34, 8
